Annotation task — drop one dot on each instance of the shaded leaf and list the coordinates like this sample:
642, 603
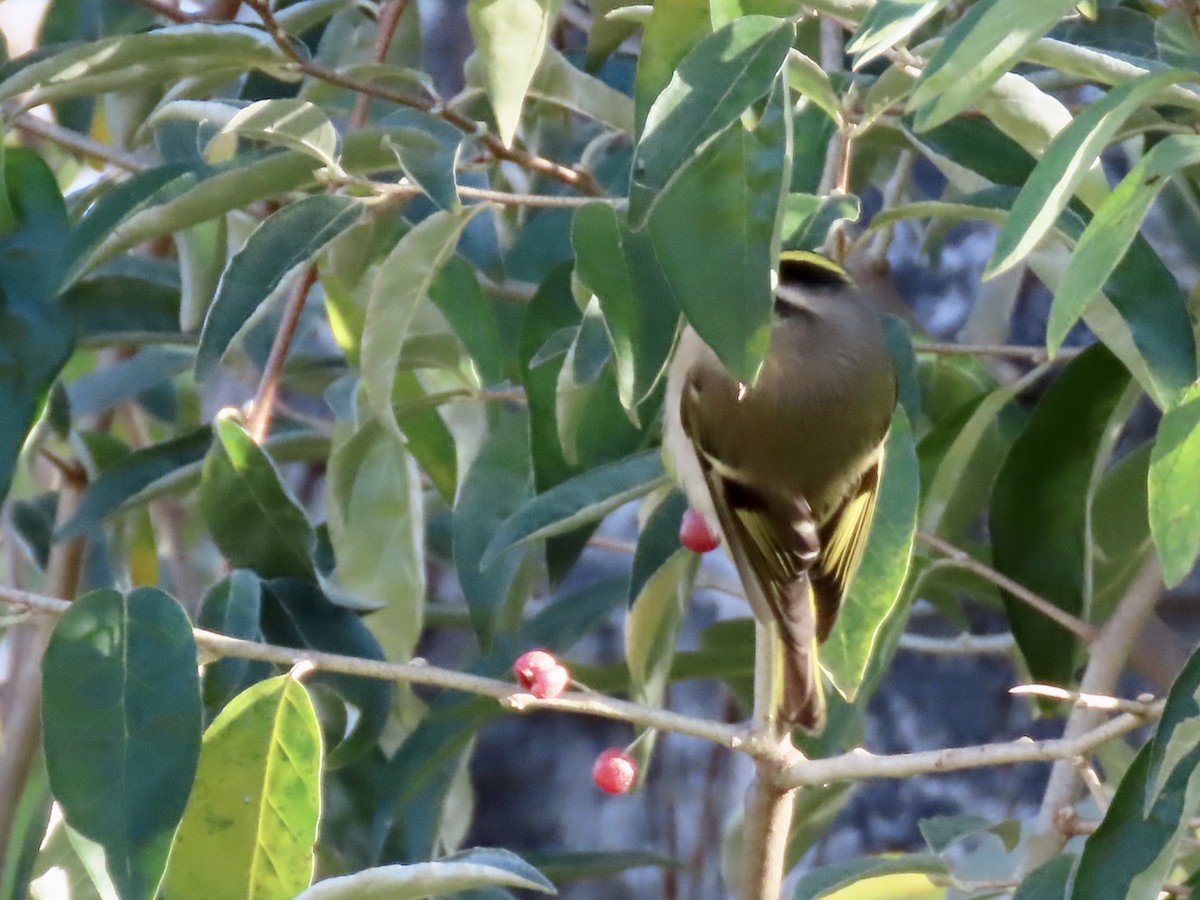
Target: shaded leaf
283, 242
232, 606
1039, 514
297, 614
36, 333
588, 497
498, 483
427, 149
124, 480
124, 379
249, 513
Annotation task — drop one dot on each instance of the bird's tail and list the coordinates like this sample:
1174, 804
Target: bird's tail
802, 704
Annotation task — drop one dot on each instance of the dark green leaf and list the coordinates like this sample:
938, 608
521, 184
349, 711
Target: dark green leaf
1039, 506
125, 379
498, 483
283, 242
1133, 850
233, 606
620, 269
1049, 881
121, 715
138, 470
585, 498
36, 333
714, 84
297, 614
729, 196
456, 292
249, 513
427, 149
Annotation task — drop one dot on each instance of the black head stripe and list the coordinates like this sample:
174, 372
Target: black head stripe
811, 270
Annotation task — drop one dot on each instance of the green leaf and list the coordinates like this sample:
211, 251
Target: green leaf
942, 832
562, 84
620, 269
827, 879
1040, 502
1108, 236
376, 521
1049, 881
1132, 852
283, 242
297, 614
195, 196
121, 720
675, 27
652, 626
232, 606
585, 498
286, 122
460, 872
427, 149
1175, 36
510, 37
251, 822
887, 23
808, 219
134, 472
472, 316
138, 60
403, 282
715, 83
124, 379
658, 541
1120, 529
728, 196
877, 588
498, 483
1174, 474
806, 76
252, 518
36, 334
1066, 161
971, 59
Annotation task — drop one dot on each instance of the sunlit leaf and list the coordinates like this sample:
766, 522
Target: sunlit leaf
1174, 474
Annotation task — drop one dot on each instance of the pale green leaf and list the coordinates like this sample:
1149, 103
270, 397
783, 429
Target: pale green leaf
461, 872
1066, 162
887, 24
510, 37
251, 821
287, 122
980, 47
1113, 228
878, 585
1174, 475
402, 284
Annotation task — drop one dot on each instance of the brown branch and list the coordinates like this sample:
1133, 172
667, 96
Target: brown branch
263, 407
390, 13
1009, 351
576, 178
1085, 631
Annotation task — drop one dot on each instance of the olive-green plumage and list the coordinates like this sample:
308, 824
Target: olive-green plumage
789, 467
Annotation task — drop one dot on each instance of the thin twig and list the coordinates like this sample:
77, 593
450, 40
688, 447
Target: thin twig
964, 644
263, 407
1100, 702
1085, 631
862, 765
77, 143
1034, 354
576, 178
390, 13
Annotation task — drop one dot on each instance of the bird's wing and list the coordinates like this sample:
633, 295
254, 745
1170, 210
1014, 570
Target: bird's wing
843, 539
776, 537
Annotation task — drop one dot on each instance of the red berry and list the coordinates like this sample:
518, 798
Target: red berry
549, 683
695, 534
541, 674
615, 771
